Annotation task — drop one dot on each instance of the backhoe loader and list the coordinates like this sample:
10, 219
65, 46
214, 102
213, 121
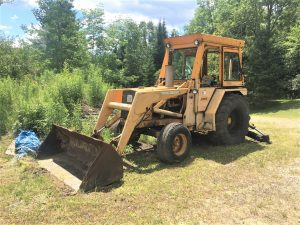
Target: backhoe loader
200, 89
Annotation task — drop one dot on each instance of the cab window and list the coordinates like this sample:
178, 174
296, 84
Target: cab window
183, 62
232, 68
209, 73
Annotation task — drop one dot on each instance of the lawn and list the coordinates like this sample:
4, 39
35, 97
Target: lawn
251, 183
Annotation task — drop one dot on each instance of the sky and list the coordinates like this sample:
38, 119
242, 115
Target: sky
176, 13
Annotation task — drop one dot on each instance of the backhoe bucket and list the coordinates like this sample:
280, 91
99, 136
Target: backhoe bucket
80, 161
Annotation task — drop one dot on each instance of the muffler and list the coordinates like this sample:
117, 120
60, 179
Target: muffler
81, 162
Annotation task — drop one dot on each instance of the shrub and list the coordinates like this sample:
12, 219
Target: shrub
32, 117
56, 112
6, 104
75, 119
70, 88
34, 103
96, 87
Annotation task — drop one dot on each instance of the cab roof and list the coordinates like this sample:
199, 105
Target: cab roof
208, 38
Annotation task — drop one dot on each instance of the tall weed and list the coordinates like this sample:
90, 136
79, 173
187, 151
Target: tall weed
35, 103
70, 88
6, 104
33, 117
96, 87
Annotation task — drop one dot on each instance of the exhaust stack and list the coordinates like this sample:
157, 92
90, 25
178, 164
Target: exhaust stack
170, 76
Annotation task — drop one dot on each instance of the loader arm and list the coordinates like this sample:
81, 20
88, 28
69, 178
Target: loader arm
144, 101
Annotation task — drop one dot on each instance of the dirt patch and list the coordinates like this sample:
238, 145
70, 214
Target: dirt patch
88, 111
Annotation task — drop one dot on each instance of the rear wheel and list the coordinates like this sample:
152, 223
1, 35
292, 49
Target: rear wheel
174, 143
232, 121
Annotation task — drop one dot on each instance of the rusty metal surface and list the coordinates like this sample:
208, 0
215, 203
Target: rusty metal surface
94, 162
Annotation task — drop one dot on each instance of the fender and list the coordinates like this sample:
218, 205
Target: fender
212, 108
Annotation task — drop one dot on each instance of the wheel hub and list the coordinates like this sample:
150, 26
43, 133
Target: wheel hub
229, 121
179, 144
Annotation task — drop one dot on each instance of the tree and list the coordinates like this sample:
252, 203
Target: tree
94, 29
17, 61
174, 33
151, 35
128, 57
161, 34
146, 50
292, 56
59, 37
269, 20
203, 21
264, 25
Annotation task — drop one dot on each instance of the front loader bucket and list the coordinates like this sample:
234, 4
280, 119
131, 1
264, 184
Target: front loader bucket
80, 161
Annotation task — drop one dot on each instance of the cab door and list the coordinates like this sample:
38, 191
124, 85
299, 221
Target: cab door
232, 68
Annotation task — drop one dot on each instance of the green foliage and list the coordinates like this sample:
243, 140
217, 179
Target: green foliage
32, 117
295, 86
129, 57
6, 104
161, 34
174, 33
70, 88
18, 61
292, 45
74, 121
96, 87
203, 21
128, 53
59, 37
94, 29
8, 55
56, 113
36, 103
271, 32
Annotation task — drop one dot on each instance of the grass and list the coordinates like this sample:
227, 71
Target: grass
251, 183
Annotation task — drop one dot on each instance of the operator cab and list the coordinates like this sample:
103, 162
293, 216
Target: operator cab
213, 61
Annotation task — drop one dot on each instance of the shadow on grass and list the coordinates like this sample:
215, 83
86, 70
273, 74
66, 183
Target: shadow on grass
274, 106
147, 161
202, 148
108, 188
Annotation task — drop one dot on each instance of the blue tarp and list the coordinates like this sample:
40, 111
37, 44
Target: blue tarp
27, 143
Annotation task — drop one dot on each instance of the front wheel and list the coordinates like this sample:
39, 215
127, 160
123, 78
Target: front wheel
174, 143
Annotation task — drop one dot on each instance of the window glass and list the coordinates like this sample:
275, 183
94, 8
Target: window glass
231, 66
209, 73
183, 62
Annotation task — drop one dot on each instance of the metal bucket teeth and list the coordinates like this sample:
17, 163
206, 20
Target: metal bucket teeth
81, 162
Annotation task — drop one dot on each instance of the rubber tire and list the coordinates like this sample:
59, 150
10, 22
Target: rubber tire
165, 143
236, 106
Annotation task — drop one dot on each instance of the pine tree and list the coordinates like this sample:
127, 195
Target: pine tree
147, 67
161, 34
